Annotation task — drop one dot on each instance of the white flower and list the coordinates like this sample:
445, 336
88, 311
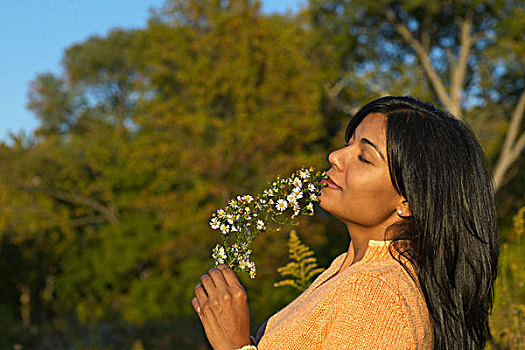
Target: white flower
304, 174
291, 199
214, 223
297, 192
234, 249
268, 192
219, 254
260, 225
251, 266
310, 207
281, 205
244, 258
249, 215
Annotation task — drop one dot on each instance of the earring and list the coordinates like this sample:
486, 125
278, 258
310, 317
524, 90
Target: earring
399, 211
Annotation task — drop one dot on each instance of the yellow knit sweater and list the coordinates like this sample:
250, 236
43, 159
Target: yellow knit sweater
372, 304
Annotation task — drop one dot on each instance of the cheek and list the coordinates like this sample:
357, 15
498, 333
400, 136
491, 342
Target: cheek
370, 197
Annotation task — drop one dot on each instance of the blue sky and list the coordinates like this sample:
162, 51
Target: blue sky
35, 33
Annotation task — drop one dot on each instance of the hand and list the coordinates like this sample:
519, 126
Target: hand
222, 305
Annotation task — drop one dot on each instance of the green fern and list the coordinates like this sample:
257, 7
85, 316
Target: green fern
137, 345
302, 270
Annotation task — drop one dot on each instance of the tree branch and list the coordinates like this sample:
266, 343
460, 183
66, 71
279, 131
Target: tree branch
108, 213
518, 147
335, 89
511, 147
424, 57
459, 70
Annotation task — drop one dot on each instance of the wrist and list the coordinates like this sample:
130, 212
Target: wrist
245, 344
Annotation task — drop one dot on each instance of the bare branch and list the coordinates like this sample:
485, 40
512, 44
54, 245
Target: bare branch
107, 212
425, 41
459, 70
518, 147
477, 37
335, 89
511, 147
515, 121
424, 57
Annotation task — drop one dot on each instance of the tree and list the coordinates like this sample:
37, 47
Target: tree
143, 135
229, 102
451, 42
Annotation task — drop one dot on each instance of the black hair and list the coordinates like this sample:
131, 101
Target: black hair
438, 166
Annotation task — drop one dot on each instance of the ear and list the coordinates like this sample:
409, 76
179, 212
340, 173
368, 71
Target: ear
403, 209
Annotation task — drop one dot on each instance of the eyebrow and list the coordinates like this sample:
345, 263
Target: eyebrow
370, 143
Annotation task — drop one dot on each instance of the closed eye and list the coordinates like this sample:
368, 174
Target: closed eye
360, 157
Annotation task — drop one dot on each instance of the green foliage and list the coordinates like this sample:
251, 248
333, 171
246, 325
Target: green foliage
302, 270
508, 316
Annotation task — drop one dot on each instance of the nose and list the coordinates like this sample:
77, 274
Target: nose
335, 158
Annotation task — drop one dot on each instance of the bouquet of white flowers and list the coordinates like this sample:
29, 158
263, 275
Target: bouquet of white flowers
245, 217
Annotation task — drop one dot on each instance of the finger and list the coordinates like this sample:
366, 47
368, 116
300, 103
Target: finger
208, 284
218, 278
196, 307
201, 295
229, 275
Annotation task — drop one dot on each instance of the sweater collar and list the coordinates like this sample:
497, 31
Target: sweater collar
377, 251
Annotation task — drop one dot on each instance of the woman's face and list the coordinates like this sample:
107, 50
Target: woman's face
359, 190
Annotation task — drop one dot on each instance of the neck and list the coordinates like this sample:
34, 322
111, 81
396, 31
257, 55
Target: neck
359, 238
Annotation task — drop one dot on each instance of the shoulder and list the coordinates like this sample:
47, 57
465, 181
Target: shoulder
379, 288
381, 301
379, 285
385, 277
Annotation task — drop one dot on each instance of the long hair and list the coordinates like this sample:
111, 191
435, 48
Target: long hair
438, 166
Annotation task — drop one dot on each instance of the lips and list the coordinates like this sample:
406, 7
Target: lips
331, 184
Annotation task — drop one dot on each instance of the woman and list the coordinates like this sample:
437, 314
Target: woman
414, 190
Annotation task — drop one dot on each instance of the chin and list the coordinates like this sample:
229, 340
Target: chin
324, 203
